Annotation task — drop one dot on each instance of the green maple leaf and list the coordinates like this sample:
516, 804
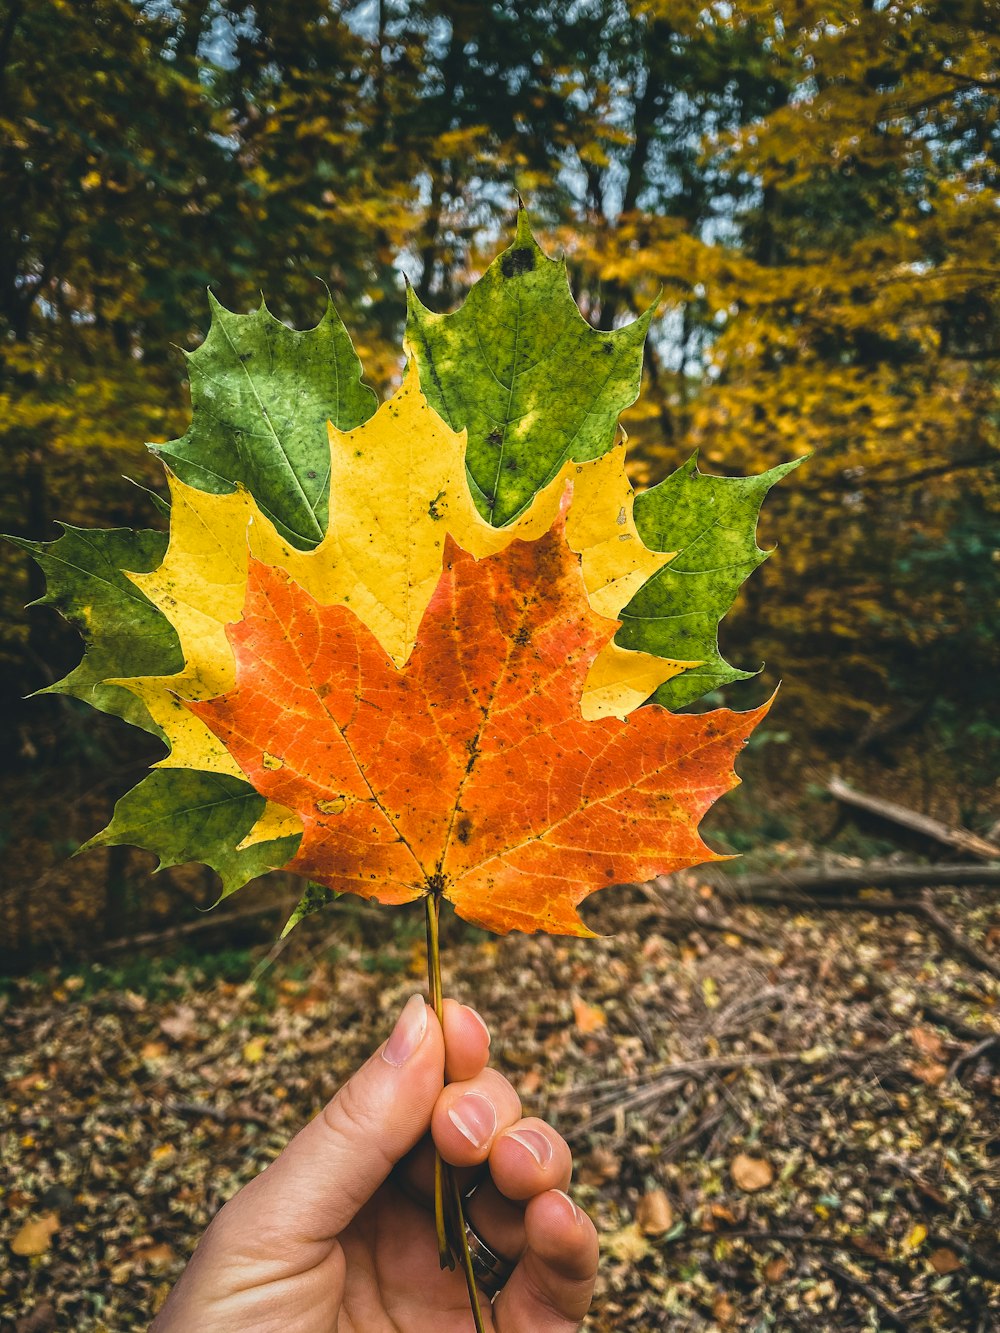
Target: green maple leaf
125, 634
182, 815
261, 395
519, 367
711, 522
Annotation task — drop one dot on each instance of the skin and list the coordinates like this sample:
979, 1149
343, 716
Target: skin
337, 1234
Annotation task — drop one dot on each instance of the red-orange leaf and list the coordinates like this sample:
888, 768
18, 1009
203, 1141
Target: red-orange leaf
471, 770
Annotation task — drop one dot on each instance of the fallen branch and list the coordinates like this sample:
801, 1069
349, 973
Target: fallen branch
223, 921
223, 1115
953, 1023
831, 879
925, 908
170, 1106
960, 838
889, 1314
696, 920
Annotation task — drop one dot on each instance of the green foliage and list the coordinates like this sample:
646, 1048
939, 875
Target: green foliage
816, 200
262, 395
182, 815
522, 371
124, 632
711, 523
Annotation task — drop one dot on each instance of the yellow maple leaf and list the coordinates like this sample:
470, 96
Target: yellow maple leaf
405, 461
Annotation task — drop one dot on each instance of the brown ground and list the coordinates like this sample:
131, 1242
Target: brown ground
783, 1118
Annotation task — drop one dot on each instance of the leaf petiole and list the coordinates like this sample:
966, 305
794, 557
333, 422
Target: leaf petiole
449, 1215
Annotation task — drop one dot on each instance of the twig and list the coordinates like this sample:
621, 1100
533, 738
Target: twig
954, 1024
888, 1312
223, 1115
221, 921
659, 1084
962, 945
695, 920
988, 1044
922, 906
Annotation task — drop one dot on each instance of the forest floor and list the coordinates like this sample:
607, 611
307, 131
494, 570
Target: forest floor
783, 1117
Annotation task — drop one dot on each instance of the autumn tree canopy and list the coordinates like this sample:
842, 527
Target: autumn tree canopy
811, 186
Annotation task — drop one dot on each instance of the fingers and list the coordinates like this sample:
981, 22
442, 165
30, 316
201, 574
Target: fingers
551, 1288
480, 1121
529, 1158
469, 1115
526, 1160
332, 1167
467, 1042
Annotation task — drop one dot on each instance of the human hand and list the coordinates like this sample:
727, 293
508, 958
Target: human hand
337, 1234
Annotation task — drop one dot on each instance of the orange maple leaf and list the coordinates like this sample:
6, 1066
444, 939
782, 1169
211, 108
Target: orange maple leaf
470, 771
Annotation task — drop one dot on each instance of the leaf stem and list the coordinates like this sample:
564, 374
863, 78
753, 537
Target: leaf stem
449, 1214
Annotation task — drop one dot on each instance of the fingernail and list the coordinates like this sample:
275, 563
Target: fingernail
577, 1215
535, 1142
474, 1116
480, 1020
408, 1033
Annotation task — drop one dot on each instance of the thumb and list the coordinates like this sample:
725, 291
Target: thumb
332, 1167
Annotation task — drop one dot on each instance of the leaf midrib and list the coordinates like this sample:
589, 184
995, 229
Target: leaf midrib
277, 439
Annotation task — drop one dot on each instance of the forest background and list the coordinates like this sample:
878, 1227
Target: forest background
781, 1095
812, 187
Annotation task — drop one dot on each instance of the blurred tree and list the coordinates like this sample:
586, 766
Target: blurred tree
832, 272
114, 188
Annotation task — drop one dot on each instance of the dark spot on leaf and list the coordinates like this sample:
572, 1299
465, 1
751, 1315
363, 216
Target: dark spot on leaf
245, 356
311, 474
432, 509
608, 348
517, 261
522, 638
494, 437
463, 830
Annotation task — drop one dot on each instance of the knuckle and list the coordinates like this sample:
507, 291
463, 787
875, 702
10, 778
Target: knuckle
352, 1118
348, 1114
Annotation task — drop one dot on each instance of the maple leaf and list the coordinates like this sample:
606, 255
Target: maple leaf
710, 523
184, 816
398, 487
262, 395
124, 632
404, 461
470, 770
519, 367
